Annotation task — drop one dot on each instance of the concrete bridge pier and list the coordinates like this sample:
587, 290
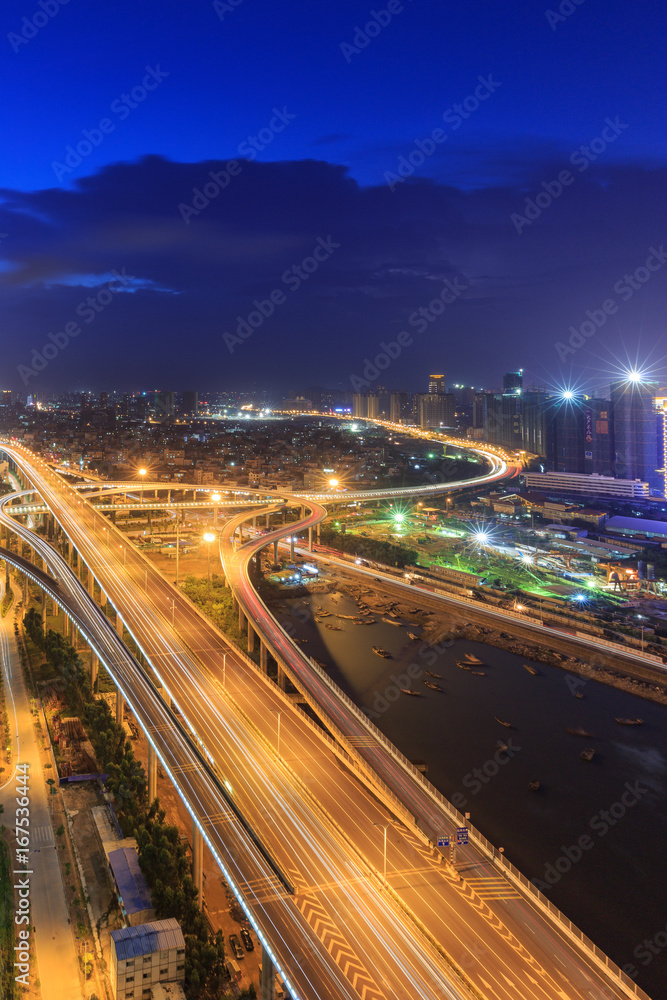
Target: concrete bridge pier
251, 638
310, 539
275, 551
281, 679
197, 860
267, 978
66, 626
242, 619
319, 525
119, 625
267, 521
152, 774
263, 657
291, 548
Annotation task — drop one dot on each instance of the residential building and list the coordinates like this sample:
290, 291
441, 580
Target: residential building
145, 956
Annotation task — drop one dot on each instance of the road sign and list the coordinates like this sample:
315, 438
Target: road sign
462, 835
443, 841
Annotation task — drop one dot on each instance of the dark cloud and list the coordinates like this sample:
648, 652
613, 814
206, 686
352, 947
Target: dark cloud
192, 280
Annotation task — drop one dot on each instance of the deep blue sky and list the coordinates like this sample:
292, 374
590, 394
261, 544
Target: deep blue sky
324, 175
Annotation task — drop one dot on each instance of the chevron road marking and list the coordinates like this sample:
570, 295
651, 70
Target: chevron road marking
493, 888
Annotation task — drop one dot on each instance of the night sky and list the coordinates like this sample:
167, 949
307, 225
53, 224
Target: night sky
507, 162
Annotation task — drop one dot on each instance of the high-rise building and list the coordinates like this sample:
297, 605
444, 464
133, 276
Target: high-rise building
636, 432
513, 382
365, 405
6, 397
436, 385
399, 407
436, 410
190, 403
163, 405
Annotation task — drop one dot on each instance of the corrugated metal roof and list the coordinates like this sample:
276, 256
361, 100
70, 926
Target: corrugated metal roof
641, 525
129, 878
158, 935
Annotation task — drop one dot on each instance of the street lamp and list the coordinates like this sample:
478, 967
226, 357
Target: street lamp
142, 473
208, 538
333, 483
384, 866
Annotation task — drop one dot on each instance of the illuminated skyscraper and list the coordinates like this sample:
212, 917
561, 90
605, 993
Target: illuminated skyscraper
436, 385
636, 431
513, 382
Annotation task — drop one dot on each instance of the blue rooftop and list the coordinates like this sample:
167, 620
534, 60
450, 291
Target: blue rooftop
132, 885
159, 935
640, 525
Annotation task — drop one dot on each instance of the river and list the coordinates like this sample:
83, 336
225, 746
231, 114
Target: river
595, 833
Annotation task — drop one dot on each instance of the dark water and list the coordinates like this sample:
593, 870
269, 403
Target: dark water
596, 832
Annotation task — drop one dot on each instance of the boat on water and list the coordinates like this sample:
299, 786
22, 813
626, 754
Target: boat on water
579, 732
478, 673
379, 651
411, 635
429, 673
415, 694
390, 621
334, 628
472, 659
323, 614
349, 617
508, 725
463, 665
587, 754
630, 722
531, 670
432, 686
578, 694
534, 786
501, 745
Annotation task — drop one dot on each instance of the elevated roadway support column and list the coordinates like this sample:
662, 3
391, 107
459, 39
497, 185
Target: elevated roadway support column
291, 548
267, 977
197, 861
263, 657
310, 539
242, 619
281, 678
267, 521
275, 551
152, 774
251, 638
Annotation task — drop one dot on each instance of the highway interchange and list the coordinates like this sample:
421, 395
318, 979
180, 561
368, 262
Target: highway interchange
342, 934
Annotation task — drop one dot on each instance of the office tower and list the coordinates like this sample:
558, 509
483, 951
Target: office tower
513, 382
190, 404
661, 416
104, 400
436, 385
6, 397
399, 407
635, 431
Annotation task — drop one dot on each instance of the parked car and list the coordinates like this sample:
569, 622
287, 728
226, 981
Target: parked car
247, 939
236, 946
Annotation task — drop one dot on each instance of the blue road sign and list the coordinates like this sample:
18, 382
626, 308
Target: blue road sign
443, 841
462, 835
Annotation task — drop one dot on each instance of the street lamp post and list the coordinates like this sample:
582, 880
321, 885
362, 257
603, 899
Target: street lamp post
224, 671
208, 538
383, 826
142, 473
